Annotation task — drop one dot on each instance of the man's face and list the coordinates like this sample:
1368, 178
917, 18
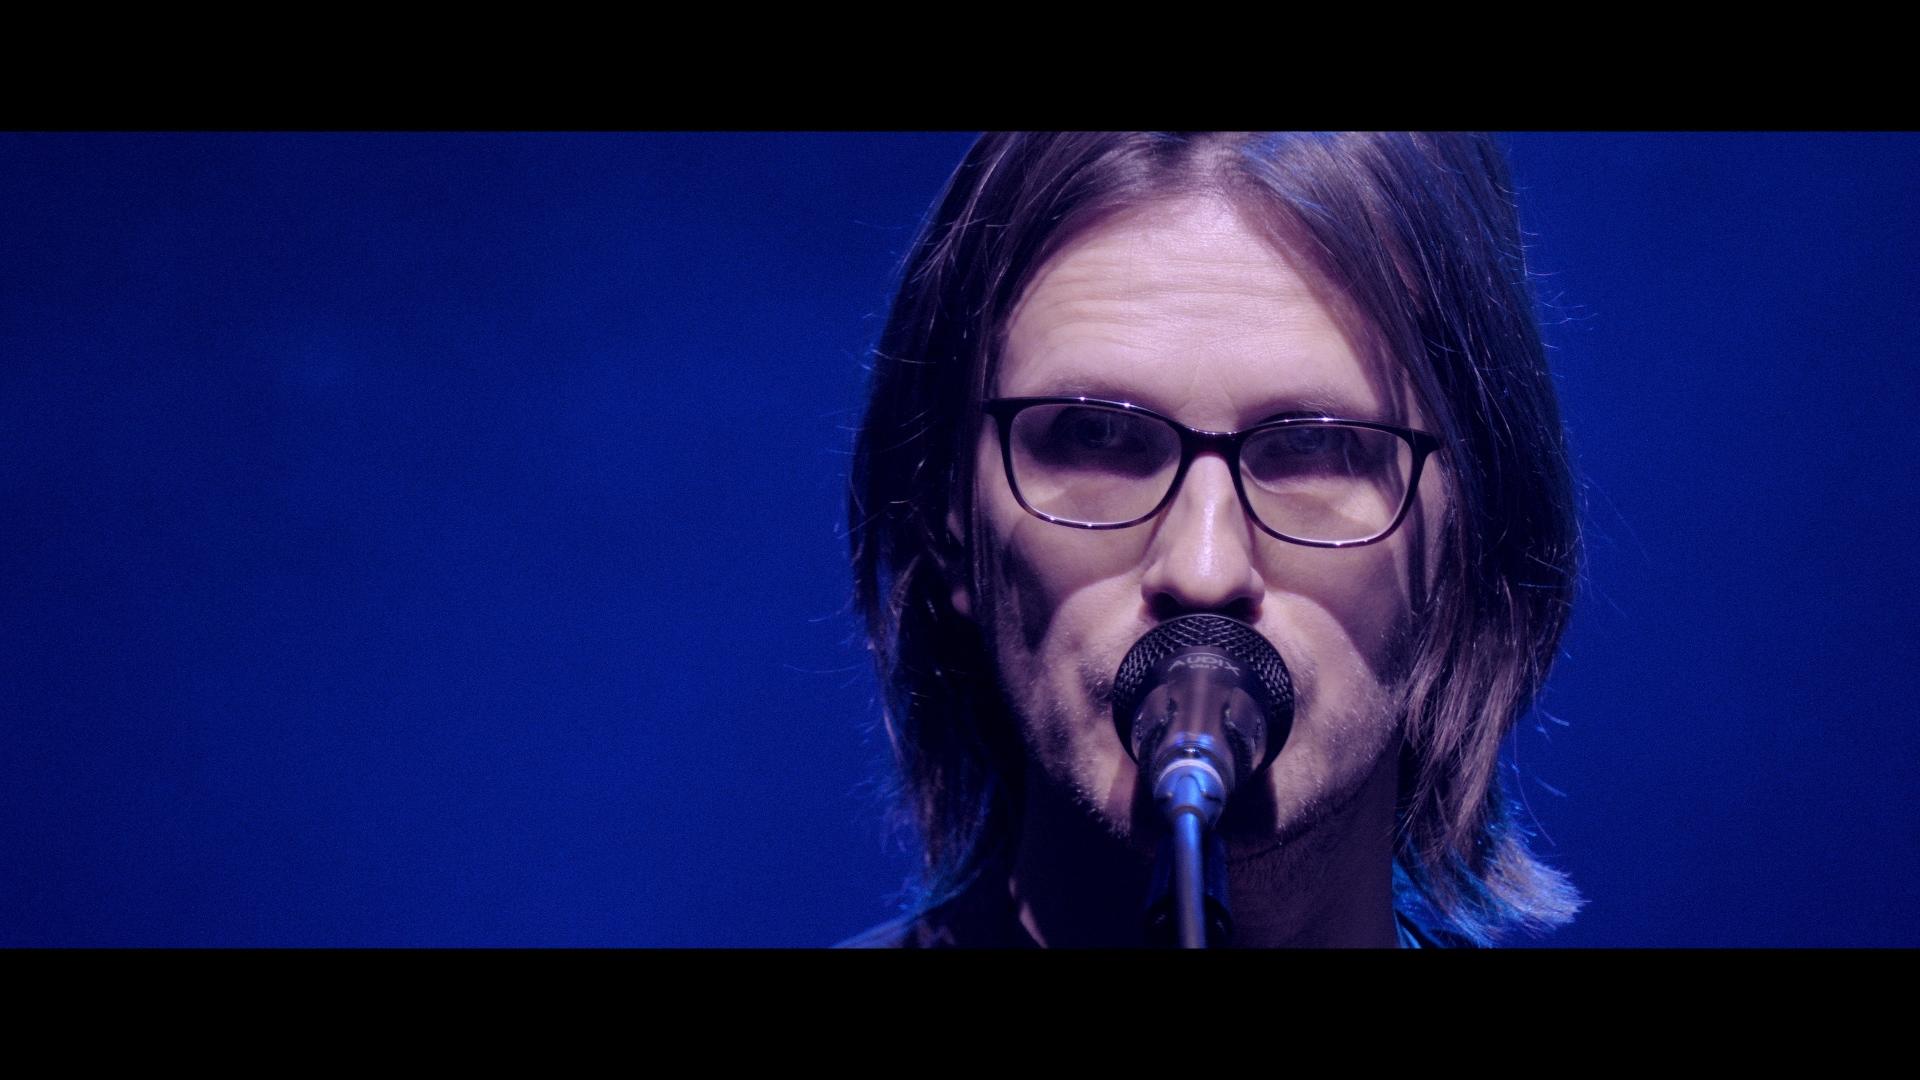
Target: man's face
1180, 308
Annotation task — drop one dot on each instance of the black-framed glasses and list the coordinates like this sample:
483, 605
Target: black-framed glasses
1319, 480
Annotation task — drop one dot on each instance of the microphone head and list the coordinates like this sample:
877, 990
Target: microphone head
1229, 654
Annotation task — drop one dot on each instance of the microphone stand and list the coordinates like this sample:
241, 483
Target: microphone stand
1200, 702
1191, 868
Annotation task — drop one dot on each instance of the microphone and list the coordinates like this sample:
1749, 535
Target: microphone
1203, 688
1200, 702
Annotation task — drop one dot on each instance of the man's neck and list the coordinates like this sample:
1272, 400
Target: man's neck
1073, 884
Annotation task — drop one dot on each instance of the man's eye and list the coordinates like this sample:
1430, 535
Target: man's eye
1093, 430
1104, 441
1309, 441
1308, 450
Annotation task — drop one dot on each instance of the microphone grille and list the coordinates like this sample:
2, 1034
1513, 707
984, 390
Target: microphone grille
1271, 685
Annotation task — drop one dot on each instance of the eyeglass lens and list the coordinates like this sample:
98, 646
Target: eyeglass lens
1324, 482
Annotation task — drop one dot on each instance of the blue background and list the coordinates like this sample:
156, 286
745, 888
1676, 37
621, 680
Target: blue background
437, 539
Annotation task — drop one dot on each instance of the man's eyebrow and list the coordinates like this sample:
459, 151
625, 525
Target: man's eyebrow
1317, 401
1093, 388
1305, 401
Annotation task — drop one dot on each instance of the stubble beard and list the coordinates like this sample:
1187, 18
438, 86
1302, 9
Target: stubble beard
1064, 744
1266, 849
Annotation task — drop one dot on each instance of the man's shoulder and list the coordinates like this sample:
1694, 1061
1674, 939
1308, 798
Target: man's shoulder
893, 934
981, 916
1415, 934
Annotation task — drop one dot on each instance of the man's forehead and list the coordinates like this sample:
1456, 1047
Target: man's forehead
1185, 305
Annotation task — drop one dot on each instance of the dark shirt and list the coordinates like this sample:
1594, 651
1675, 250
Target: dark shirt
983, 917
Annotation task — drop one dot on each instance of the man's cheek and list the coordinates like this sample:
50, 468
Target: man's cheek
1360, 611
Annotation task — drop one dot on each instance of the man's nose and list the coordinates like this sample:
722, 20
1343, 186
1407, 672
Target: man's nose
1202, 555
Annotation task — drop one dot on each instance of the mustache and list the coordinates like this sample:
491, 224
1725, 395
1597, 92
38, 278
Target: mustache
1096, 680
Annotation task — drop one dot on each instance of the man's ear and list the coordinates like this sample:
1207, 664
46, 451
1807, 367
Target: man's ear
957, 566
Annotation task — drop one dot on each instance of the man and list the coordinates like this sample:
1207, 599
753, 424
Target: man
1035, 488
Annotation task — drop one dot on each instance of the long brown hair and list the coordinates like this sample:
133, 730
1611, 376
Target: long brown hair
1418, 233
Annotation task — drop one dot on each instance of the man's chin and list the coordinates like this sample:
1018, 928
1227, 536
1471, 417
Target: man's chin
1250, 826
